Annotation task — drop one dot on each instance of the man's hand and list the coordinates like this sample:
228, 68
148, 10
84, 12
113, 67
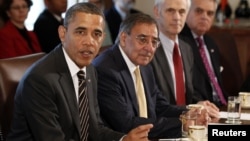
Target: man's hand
212, 109
202, 117
139, 133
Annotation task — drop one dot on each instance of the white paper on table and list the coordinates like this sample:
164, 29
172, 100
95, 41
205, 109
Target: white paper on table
244, 116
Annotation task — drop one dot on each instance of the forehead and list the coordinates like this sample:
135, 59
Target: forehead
94, 1
176, 4
18, 2
145, 28
87, 20
205, 4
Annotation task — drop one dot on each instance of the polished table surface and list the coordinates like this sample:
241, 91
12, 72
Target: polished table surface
221, 120
243, 110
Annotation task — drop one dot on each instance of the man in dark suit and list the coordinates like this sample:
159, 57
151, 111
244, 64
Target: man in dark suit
117, 13
46, 101
199, 21
123, 104
163, 63
47, 24
246, 85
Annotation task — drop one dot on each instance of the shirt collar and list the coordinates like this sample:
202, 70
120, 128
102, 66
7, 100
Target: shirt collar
167, 43
131, 65
73, 68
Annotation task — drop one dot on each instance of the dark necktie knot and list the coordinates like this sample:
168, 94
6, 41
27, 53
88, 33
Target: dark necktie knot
200, 41
81, 75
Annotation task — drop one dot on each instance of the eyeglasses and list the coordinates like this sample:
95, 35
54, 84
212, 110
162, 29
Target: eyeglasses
144, 40
25, 7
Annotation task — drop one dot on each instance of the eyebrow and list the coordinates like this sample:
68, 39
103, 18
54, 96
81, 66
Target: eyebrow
143, 35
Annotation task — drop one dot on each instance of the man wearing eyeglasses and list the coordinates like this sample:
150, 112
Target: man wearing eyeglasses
128, 95
174, 70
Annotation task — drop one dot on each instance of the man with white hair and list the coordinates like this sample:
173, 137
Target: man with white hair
173, 62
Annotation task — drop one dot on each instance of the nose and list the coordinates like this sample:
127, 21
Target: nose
88, 39
204, 14
149, 46
177, 15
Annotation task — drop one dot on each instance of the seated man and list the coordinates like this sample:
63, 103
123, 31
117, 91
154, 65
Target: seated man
47, 106
207, 82
125, 99
173, 61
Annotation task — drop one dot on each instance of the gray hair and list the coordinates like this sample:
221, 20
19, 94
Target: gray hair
132, 20
84, 7
158, 3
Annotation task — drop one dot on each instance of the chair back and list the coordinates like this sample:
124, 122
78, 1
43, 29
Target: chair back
11, 71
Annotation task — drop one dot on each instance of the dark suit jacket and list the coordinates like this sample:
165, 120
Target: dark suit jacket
46, 29
114, 20
13, 44
164, 77
246, 85
46, 107
118, 102
202, 84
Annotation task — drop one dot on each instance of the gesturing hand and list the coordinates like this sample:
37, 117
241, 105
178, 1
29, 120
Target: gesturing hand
139, 133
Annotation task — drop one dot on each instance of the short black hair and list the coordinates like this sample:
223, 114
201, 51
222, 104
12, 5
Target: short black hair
84, 7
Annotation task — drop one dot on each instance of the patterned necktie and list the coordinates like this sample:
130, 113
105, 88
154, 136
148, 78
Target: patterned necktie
83, 106
140, 94
210, 72
179, 78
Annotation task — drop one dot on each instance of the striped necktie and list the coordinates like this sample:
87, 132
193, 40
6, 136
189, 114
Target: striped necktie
83, 106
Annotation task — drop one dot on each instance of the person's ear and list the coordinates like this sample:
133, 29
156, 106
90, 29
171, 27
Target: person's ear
123, 37
156, 11
62, 33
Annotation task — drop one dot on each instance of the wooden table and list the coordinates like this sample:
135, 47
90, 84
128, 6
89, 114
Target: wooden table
243, 110
222, 120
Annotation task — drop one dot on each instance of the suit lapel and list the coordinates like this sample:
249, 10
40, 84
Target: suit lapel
212, 53
185, 58
188, 37
67, 86
125, 74
163, 63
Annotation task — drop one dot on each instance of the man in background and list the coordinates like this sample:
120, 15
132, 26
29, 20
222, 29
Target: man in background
46, 25
117, 13
107, 38
173, 62
207, 80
